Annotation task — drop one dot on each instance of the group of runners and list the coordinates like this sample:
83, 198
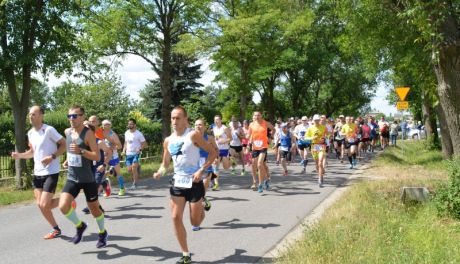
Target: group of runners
197, 153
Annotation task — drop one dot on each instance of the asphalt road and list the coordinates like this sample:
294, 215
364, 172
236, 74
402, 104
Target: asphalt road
241, 226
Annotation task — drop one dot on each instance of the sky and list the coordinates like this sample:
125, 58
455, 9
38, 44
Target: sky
135, 73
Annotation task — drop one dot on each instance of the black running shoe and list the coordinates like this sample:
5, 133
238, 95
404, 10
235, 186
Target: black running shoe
185, 260
102, 240
77, 238
207, 204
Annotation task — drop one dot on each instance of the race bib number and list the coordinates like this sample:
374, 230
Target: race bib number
286, 148
74, 160
351, 140
258, 143
183, 181
318, 147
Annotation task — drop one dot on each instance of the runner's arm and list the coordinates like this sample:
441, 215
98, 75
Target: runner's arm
24, 155
93, 152
165, 162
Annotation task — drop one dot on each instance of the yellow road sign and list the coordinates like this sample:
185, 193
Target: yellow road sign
402, 105
402, 92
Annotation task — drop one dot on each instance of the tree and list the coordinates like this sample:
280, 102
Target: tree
433, 25
34, 36
147, 29
184, 76
104, 97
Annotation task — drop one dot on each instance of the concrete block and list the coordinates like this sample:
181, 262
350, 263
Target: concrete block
420, 194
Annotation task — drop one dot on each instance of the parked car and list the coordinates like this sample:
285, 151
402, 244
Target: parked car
415, 133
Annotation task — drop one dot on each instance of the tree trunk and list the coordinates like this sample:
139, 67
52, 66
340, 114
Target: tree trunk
448, 74
428, 117
446, 142
270, 103
244, 89
166, 86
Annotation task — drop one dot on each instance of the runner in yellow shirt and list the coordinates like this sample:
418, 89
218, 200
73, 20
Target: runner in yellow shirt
350, 132
317, 134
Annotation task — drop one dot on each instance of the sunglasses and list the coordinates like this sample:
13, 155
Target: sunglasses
73, 116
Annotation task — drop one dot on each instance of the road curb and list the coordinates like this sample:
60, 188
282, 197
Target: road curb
312, 218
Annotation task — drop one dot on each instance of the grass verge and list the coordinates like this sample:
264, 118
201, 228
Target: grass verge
370, 224
9, 195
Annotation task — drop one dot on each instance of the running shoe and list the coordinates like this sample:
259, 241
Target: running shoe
242, 173
185, 260
207, 204
53, 234
133, 187
302, 162
196, 228
215, 187
73, 204
102, 240
351, 166
253, 187
85, 210
108, 189
267, 184
285, 173
260, 188
78, 236
121, 192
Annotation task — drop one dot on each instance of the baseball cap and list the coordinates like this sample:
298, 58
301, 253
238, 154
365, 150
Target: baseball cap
304, 118
283, 125
341, 116
316, 117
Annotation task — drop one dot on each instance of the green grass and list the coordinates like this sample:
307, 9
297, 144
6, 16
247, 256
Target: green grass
370, 225
9, 195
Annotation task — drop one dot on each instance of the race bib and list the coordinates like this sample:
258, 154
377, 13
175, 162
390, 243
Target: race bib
318, 147
258, 143
183, 181
351, 140
286, 148
74, 160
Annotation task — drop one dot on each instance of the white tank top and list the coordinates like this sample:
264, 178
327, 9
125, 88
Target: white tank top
185, 155
220, 133
236, 142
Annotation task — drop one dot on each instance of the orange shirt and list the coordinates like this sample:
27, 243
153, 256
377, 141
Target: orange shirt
259, 135
100, 133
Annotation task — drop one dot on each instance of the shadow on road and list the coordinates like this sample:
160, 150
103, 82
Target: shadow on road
156, 252
238, 257
232, 224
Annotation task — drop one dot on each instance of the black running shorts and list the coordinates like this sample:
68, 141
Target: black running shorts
89, 188
191, 195
48, 182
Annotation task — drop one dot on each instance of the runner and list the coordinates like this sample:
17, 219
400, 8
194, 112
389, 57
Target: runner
134, 144
286, 141
349, 131
81, 152
236, 148
223, 137
259, 141
113, 141
365, 139
43, 148
339, 140
200, 126
244, 143
384, 129
276, 140
302, 143
183, 146
374, 135
317, 133
292, 125
106, 156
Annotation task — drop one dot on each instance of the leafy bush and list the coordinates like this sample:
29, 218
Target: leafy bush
448, 195
6, 133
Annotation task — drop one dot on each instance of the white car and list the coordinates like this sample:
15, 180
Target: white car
415, 133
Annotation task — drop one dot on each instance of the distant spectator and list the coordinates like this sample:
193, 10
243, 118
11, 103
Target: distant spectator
394, 132
404, 129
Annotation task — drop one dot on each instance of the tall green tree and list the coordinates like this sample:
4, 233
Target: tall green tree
149, 29
35, 36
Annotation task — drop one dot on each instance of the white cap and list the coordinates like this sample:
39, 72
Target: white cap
316, 117
106, 122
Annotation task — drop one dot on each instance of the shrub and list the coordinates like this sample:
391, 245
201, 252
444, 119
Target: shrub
448, 195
